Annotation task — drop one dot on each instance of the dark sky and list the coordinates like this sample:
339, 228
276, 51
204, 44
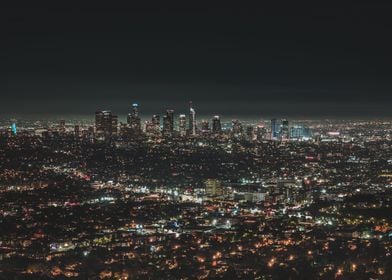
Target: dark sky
264, 60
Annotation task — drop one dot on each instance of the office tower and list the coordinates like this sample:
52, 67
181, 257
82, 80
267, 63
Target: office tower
152, 127
170, 117
250, 133
168, 123
149, 128
275, 129
125, 131
192, 120
182, 125
216, 125
299, 132
284, 131
156, 125
307, 133
156, 120
133, 118
105, 123
213, 187
296, 132
114, 125
236, 128
205, 126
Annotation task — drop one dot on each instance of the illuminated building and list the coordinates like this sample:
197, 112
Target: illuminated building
300, 132
192, 120
250, 196
13, 128
205, 126
168, 123
236, 128
216, 125
149, 128
156, 120
156, 124
133, 118
114, 126
213, 187
182, 125
284, 131
105, 123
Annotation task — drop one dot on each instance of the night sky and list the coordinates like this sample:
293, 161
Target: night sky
276, 61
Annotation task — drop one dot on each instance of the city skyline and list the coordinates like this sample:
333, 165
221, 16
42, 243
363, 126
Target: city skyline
187, 141
182, 108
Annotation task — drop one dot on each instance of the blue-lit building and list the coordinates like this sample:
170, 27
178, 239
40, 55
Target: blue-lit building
13, 128
300, 132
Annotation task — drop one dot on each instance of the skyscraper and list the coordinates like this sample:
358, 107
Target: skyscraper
152, 128
284, 131
216, 125
213, 187
299, 132
133, 118
156, 125
168, 123
236, 128
114, 126
105, 123
205, 126
192, 120
156, 120
182, 125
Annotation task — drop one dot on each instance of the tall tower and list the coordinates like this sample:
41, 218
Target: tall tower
285, 131
168, 122
192, 120
205, 126
236, 128
156, 120
105, 123
182, 125
135, 110
133, 118
216, 125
